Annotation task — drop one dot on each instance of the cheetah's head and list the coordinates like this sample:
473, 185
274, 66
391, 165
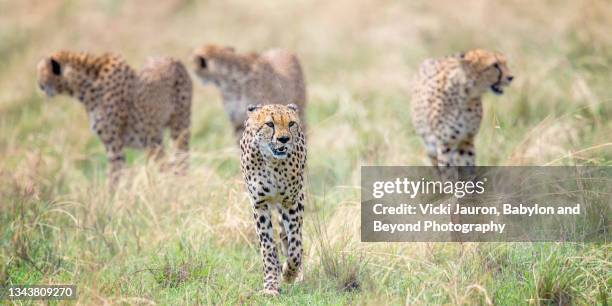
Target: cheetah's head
491, 70
51, 76
213, 63
276, 129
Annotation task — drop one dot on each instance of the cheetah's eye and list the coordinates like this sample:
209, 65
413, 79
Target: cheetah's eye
270, 124
291, 123
496, 65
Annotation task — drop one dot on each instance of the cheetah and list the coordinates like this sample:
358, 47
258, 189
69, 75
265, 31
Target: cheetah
272, 162
125, 108
274, 77
446, 104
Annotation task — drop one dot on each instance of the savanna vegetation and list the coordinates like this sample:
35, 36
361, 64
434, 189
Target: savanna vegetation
163, 239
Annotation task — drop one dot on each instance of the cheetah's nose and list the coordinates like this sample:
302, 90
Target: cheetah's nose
510, 78
283, 139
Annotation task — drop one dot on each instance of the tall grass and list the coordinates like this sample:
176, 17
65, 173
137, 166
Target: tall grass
190, 240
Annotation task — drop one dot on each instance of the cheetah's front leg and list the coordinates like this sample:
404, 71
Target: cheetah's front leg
114, 150
110, 132
445, 156
116, 159
292, 223
466, 154
271, 267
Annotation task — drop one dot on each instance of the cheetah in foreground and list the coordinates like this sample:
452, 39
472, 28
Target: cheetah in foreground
274, 77
447, 107
125, 108
272, 161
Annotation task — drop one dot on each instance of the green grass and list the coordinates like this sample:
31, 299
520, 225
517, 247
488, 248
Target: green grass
190, 240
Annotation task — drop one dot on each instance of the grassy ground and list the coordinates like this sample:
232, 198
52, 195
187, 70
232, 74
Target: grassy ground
188, 240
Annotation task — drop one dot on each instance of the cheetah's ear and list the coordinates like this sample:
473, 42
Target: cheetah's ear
55, 67
202, 62
252, 107
293, 107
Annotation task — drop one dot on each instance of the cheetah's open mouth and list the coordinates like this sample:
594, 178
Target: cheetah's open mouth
496, 89
279, 152
48, 91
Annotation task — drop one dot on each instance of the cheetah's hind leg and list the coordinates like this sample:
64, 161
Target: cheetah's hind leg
180, 137
180, 120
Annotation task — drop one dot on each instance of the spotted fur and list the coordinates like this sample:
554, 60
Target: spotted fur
446, 103
125, 108
272, 161
274, 77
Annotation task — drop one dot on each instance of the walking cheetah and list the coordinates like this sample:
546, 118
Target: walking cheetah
446, 104
274, 77
272, 161
125, 108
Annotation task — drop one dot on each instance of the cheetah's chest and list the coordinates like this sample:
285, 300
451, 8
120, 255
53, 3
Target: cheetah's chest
470, 117
275, 184
455, 119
